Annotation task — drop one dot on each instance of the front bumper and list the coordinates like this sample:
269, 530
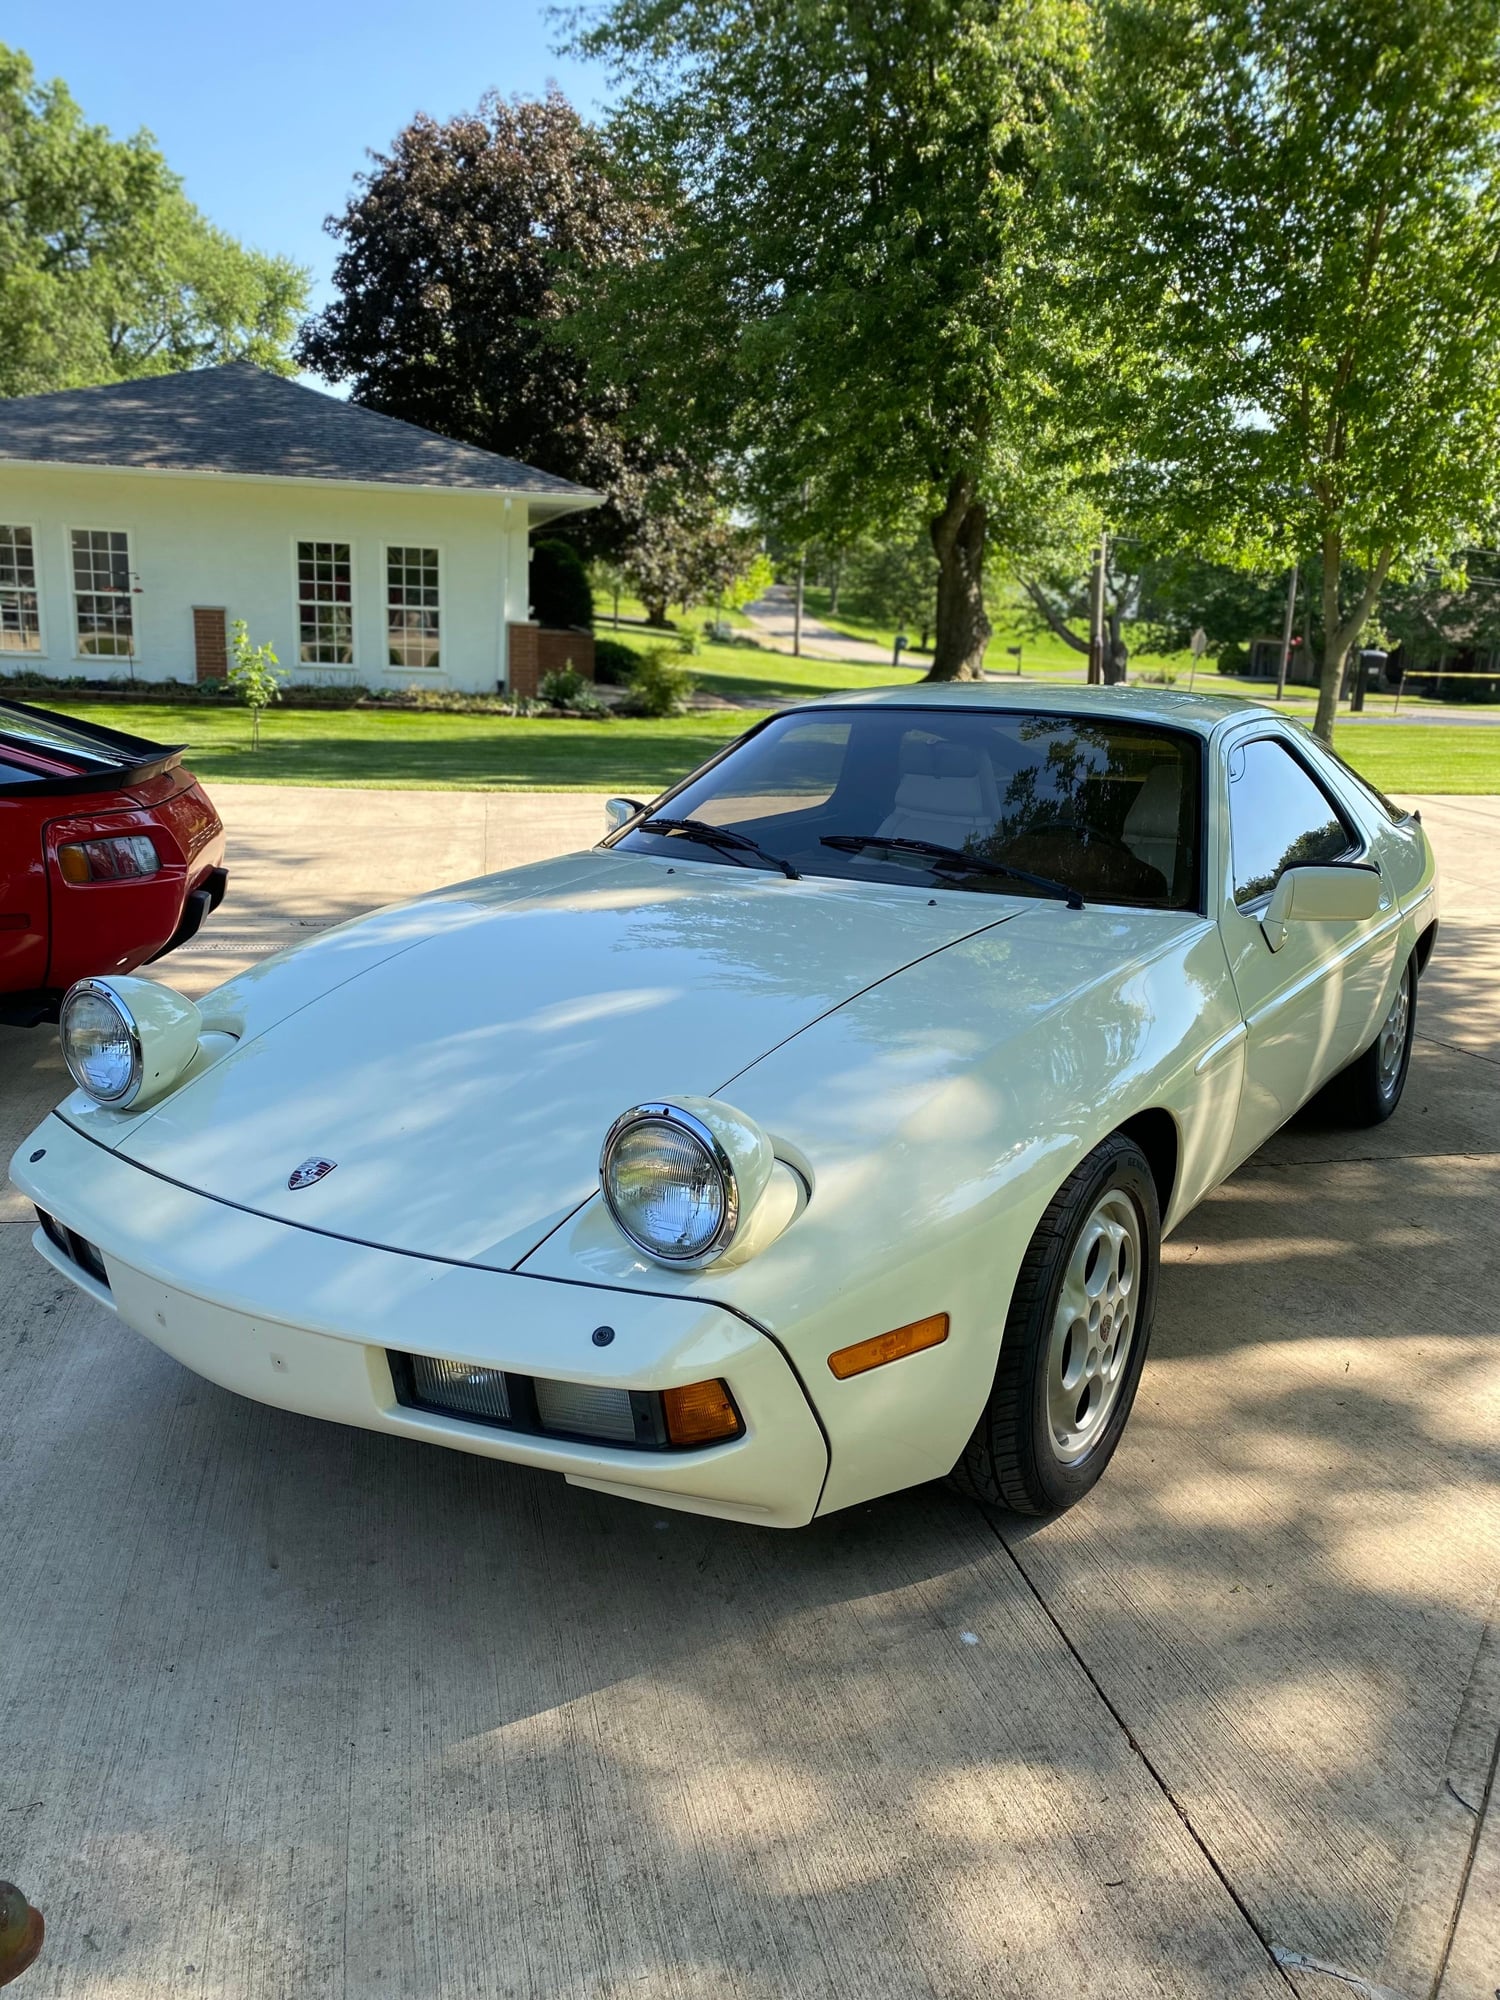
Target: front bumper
304, 1321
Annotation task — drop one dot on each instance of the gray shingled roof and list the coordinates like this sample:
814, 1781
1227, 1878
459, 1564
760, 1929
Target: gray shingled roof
242, 419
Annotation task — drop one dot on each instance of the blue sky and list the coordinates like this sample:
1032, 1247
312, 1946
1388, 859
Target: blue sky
267, 111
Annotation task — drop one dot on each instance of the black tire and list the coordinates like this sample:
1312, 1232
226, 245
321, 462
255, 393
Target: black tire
1011, 1459
1368, 1091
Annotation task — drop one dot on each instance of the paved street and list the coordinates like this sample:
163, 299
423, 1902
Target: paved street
773, 619
293, 1711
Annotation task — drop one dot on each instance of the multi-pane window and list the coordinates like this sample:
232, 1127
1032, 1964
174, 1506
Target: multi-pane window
101, 592
20, 619
325, 613
411, 597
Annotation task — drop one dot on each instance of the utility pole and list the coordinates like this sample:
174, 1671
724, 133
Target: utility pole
1096, 614
801, 584
1286, 634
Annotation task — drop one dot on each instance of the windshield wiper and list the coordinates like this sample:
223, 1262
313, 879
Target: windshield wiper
953, 857
704, 831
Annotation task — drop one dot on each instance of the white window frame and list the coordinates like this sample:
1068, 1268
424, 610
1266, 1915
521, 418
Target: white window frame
302, 666
24, 658
440, 551
72, 528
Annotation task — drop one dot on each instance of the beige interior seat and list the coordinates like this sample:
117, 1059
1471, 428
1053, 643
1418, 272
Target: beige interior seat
1152, 823
945, 793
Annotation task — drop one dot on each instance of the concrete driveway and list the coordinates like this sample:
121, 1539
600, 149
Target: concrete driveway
289, 1710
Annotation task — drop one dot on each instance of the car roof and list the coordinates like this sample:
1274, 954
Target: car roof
1202, 713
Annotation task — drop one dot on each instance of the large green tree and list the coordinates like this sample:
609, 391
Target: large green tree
849, 212
450, 297
106, 269
1289, 257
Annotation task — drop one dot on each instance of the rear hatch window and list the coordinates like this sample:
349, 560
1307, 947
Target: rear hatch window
50, 737
55, 753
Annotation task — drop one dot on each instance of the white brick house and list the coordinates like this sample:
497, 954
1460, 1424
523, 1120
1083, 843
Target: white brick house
139, 519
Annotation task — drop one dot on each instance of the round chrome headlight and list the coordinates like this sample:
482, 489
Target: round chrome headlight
670, 1185
128, 1041
100, 1042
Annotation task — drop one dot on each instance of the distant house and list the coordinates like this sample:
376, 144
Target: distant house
139, 519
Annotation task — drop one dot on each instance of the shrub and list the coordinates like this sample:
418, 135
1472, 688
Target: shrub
614, 662
562, 687
327, 694
560, 592
660, 684
1233, 658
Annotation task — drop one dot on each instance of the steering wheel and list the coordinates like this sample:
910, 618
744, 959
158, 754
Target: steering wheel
1082, 827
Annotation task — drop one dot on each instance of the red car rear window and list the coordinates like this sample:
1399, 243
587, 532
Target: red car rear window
53, 738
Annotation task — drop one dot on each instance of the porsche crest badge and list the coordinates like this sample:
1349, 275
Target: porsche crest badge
311, 1170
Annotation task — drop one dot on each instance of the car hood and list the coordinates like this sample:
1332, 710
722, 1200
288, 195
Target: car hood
460, 1059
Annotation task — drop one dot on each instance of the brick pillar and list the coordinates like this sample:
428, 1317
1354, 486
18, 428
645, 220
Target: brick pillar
557, 650
534, 651
521, 669
210, 643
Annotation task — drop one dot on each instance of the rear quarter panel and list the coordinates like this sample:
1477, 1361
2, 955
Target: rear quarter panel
99, 927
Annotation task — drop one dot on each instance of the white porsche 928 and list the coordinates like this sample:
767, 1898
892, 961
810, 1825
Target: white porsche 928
812, 1136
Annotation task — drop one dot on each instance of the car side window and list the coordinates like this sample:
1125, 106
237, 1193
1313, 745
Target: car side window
1279, 815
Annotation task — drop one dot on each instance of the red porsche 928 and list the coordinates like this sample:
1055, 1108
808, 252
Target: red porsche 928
110, 855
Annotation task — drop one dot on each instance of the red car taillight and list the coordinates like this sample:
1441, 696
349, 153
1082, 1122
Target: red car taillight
121, 858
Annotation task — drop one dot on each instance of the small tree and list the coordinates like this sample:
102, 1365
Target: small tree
256, 673
752, 582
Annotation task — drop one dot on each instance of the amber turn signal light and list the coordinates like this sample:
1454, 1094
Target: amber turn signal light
702, 1413
883, 1347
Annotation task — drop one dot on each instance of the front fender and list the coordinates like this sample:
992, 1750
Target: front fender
935, 1116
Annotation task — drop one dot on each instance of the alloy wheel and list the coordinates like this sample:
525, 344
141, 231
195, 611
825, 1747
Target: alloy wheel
1093, 1326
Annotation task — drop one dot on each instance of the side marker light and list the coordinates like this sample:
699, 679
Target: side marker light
884, 1347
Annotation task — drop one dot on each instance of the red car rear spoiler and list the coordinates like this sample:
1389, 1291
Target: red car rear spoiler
115, 760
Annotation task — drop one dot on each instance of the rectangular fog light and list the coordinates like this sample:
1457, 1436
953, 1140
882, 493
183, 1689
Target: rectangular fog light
585, 1410
461, 1388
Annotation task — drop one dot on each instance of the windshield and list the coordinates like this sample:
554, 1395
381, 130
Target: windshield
1107, 809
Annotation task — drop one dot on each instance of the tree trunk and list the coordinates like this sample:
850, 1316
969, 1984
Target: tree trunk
1116, 650
1340, 633
1056, 622
833, 586
963, 626
656, 611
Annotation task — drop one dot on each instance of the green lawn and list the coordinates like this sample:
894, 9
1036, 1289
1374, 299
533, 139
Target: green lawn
1423, 758
1043, 654
431, 751
427, 750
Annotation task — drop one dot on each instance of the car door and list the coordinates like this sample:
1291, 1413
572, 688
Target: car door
1312, 1005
